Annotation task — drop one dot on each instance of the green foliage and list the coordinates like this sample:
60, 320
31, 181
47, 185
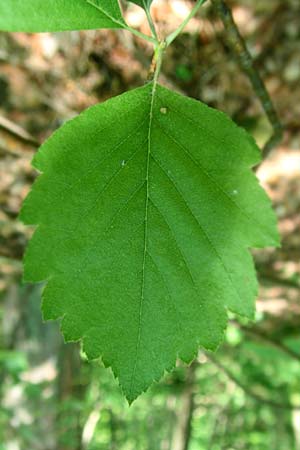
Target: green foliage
13, 362
59, 15
146, 209
224, 416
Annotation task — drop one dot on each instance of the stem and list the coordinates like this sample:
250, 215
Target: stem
159, 57
141, 35
175, 33
151, 24
156, 62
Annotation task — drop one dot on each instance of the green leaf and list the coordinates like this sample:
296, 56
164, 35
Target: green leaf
145, 4
146, 209
58, 15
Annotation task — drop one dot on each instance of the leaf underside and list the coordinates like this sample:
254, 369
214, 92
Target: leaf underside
58, 15
146, 208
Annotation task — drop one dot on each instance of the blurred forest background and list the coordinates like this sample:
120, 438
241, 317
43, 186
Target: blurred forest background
247, 395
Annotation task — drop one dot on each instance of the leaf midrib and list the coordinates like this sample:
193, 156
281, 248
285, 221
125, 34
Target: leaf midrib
145, 251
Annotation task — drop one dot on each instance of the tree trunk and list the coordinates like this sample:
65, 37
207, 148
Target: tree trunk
182, 432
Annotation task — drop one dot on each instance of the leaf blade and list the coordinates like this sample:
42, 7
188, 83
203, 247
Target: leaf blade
143, 237
57, 15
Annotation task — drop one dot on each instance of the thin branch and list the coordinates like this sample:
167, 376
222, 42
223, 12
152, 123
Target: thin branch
13, 262
269, 277
273, 342
18, 132
239, 48
249, 392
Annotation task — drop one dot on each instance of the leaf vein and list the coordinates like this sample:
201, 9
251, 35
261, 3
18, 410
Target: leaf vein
159, 272
176, 242
204, 171
205, 234
153, 92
